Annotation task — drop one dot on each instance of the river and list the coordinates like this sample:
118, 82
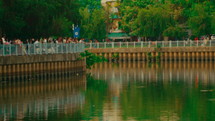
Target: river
135, 91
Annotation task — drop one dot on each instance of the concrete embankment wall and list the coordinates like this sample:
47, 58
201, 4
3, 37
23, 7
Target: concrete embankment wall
166, 53
40, 64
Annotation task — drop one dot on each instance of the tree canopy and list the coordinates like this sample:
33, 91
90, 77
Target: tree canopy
142, 18
38, 18
172, 18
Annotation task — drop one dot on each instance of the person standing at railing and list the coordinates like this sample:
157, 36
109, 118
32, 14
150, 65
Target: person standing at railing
21, 47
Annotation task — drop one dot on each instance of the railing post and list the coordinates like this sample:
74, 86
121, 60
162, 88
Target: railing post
177, 43
29, 48
90, 45
156, 43
197, 43
105, 45
21, 48
62, 48
184, 43
67, 48
34, 50
56, 46
46, 48
120, 44
141, 44
97, 45
134, 44
10, 49
190, 43
3, 50
41, 49
163, 43
112, 44
210, 43
16, 52
127, 44
149, 44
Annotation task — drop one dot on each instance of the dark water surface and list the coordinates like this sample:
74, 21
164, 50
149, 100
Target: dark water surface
116, 92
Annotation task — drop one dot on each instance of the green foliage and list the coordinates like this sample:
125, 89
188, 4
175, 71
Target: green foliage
172, 18
115, 56
92, 58
38, 18
153, 21
95, 95
93, 23
200, 21
173, 31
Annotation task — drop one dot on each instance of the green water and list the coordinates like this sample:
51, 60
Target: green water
116, 92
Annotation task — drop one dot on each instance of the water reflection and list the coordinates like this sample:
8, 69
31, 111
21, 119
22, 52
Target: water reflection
166, 91
37, 99
167, 72
116, 92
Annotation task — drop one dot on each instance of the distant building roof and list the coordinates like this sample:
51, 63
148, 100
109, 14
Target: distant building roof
118, 36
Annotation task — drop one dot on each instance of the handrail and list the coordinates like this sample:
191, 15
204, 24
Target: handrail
190, 43
40, 48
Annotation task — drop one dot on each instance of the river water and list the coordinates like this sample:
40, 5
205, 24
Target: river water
182, 91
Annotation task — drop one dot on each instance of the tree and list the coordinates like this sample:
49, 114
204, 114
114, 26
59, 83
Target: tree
200, 20
175, 32
24, 19
93, 24
152, 22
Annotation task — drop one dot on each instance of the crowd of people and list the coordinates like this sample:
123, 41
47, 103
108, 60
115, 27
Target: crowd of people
5, 41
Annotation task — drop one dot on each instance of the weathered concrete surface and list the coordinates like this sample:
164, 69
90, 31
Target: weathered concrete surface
164, 54
40, 64
163, 49
7, 60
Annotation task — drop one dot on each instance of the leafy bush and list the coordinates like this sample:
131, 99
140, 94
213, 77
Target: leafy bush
92, 58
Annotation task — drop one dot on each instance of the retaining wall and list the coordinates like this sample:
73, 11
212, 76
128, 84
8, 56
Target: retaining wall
40, 64
166, 53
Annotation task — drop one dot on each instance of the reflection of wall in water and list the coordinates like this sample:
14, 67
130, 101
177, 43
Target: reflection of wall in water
40, 96
189, 72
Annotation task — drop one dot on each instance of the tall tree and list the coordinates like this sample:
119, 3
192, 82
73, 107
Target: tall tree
200, 20
93, 24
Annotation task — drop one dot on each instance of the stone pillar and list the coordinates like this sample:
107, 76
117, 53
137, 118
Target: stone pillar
170, 56
120, 57
175, 56
129, 57
138, 56
197, 56
206, 56
166, 56
193, 56
179, 56
8, 69
188, 56
134, 57
110, 57
30, 68
22, 68
184, 56
211, 56
143, 56
202, 56
1, 71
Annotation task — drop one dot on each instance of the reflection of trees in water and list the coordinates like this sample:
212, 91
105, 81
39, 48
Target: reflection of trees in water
95, 97
139, 71
42, 98
171, 91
